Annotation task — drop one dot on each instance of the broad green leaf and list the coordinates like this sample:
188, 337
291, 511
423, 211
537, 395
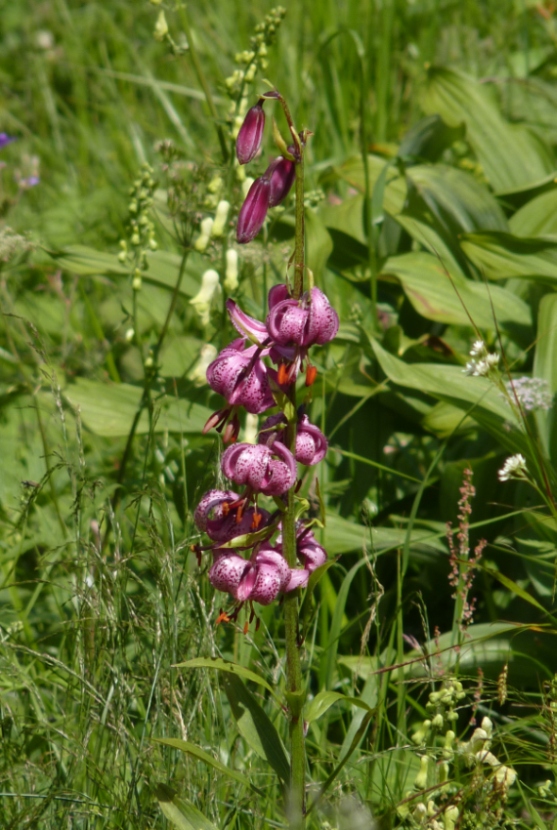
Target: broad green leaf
429, 138
352, 172
513, 587
180, 812
538, 217
255, 726
451, 298
163, 267
475, 396
486, 645
109, 409
225, 666
444, 419
342, 536
512, 156
323, 701
545, 367
427, 236
502, 255
457, 199
196, 752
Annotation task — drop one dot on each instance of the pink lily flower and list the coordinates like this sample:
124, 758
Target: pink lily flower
268, 470
311, 444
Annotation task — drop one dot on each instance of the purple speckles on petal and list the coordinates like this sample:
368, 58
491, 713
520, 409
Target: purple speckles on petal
255, 465
240, 376
312, 320
311, 444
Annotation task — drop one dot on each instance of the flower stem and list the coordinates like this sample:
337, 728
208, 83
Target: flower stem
295, 693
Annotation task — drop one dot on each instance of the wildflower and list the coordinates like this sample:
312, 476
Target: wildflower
221, 215
222, 515
231, 273
268, 470
240, 376
204, 237
478, 349
5, 139
253, 211
481, 368
311, 444
305, 322
203, 300
514, 467
260, 579
531, 393
251, 133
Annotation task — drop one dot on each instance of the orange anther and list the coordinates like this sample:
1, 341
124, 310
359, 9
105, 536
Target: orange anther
256, 520
222, 617
311, 374
283, 377
246, 627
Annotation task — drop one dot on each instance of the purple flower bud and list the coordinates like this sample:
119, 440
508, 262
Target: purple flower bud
281, 173
251, 133
221, 515
253, 211
269, 470
311, 444
311, 320
240, 376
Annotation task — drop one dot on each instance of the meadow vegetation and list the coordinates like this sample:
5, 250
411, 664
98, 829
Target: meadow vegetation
431, 221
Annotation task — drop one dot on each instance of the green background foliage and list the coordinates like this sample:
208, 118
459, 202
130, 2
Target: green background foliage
431, 223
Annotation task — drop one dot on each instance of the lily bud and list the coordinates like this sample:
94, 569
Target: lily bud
251, 133
281, 173
253, 211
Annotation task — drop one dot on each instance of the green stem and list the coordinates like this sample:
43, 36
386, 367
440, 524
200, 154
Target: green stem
295, 693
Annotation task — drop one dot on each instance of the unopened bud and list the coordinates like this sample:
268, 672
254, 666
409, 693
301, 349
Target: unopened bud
251, 133
202, 240
161, 27
221, 216
253, 211
282, 173
231, 273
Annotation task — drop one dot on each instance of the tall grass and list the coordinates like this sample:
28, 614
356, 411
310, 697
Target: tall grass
99, 594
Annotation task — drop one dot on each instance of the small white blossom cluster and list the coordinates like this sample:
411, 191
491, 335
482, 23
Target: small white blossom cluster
482, 361
531, 393
514, 467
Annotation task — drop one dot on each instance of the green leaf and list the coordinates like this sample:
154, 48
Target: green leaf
513, 587
196, 752
545, 367
457, 200
225, 666
512, 157
109, 409
255, 726
502, 255
486, 645
163, 267
427, 236
538, 217
429, 138
476, 397
342, 536
323, 701
180, 812
448, 297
